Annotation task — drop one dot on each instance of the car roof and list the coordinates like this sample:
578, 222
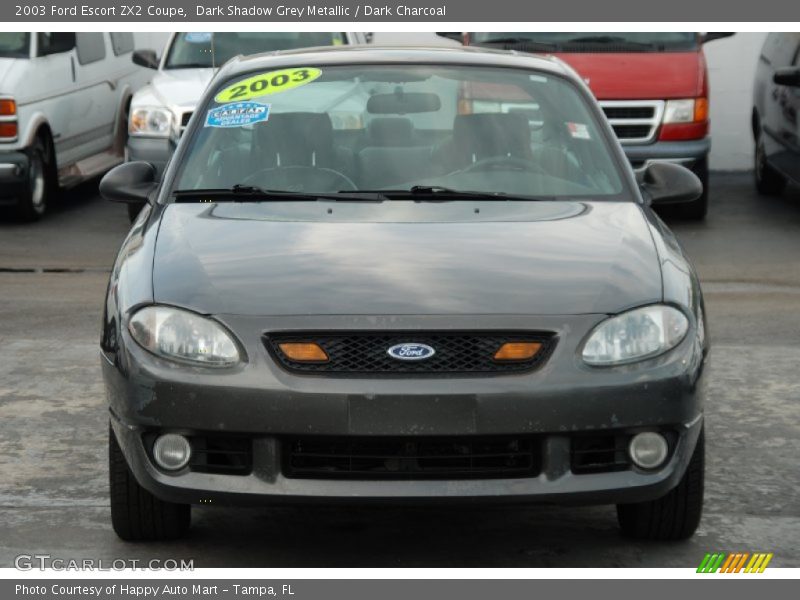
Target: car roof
399, 55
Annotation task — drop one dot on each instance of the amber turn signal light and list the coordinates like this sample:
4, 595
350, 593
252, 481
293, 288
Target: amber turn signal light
303, 351
700, 110
8, 108
517, 351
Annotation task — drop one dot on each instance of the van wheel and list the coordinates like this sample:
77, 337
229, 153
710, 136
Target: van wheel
697, 210
136, 514
671, 517
768, 181
41, 181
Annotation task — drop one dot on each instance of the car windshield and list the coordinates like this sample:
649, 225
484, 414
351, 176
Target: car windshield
627, 41
199, 49
360, 128
15, 44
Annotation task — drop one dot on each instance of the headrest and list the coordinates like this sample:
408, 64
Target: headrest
296, 138
492, 134
391, 131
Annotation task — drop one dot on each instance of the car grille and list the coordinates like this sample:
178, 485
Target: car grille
365, 353
225, 455
411, 458
634, 121
599, 453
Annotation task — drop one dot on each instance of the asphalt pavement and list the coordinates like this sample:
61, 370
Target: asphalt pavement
53, 472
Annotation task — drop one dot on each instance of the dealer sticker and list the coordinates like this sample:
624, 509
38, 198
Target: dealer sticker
579, 131
268, 83
237, 114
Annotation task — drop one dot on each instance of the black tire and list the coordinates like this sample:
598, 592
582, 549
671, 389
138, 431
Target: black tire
697, 210
42, 184
134, 210
768, 181
671, 517
136, 514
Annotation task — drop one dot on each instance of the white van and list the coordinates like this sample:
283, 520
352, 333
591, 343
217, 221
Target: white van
64, 101
160, 111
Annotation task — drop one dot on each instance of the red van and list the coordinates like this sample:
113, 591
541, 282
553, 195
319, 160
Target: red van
653, 88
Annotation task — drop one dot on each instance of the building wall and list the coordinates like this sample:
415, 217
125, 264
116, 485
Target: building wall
731, 67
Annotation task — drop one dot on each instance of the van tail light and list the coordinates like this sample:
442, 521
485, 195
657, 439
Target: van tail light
8, 129
8, 119
685, 119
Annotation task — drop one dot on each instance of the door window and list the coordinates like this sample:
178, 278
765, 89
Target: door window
91, 47
122, 42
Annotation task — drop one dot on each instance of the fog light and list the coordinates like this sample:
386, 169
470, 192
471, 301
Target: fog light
172, 451
648, 450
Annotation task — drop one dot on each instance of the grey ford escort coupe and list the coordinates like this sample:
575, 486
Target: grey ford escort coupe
402, 275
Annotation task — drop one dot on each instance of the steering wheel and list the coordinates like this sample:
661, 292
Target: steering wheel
494, 162
301, 179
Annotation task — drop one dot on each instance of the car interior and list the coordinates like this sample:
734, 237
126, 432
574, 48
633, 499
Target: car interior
400, 139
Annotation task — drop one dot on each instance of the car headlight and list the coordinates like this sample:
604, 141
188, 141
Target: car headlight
635, 335
688, 110
150, 121
180, 335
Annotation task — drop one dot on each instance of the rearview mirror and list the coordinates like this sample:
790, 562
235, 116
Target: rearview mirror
668, 183
714, 35
130, 183
145, 58
788, 76
55, 43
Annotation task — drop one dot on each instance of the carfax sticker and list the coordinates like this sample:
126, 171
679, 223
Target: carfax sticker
268, 83
579, 131
237, 114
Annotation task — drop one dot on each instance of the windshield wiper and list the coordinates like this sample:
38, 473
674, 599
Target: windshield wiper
422, 193
521, 41
195, 65
251, 193
433, 193
608, 39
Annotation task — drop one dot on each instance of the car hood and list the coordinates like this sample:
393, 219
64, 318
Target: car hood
639, 75
392, 258
180, 87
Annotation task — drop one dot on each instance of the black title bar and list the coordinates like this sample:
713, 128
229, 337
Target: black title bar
357, 11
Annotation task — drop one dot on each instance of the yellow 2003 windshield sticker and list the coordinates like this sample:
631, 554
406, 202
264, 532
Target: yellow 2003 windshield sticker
268, 83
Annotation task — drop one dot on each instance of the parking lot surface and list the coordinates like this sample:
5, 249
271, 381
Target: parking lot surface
53, 473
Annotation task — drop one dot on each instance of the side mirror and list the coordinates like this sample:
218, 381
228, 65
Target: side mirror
145, 58
714, 35
452, 35
130, 183
56, 42
788, 76
668, 183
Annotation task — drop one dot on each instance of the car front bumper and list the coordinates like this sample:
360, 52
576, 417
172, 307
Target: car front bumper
13, 176
687, 153
553, 404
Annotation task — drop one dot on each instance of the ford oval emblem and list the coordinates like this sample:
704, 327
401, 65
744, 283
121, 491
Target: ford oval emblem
411, 351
